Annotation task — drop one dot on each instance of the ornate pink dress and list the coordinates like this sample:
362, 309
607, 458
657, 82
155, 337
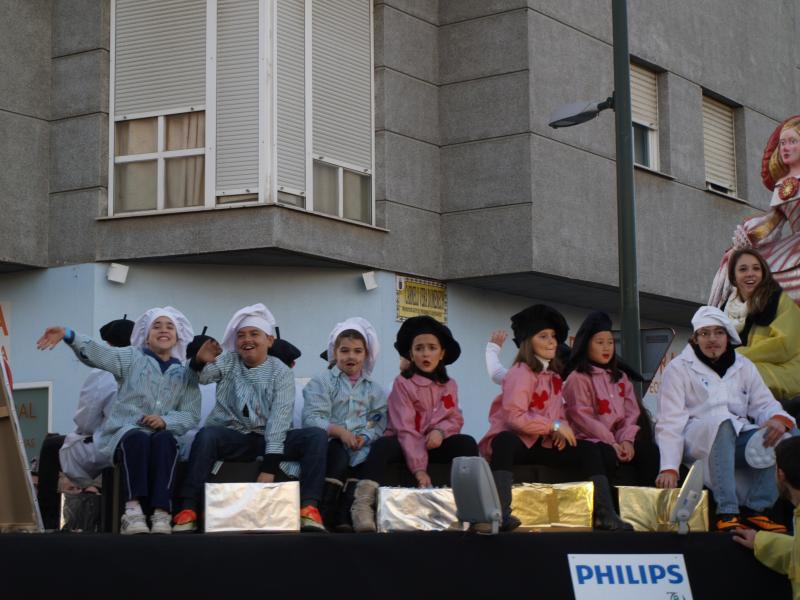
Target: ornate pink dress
764, 233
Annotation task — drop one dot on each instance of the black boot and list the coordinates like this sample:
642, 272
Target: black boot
605, 517
329, 506
503, 481
344, 523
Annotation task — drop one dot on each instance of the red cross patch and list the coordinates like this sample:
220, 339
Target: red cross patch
418, 422
448, 401
539, 398
603, 407
556, 385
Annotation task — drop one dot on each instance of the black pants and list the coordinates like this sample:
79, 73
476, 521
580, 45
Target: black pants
508, 449
645, 464
47, 494
338, 461
388, 450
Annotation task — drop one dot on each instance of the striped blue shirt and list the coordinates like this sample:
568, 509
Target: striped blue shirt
330, 398
267, 391
143, 390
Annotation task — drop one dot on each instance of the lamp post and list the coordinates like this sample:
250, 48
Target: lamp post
581, 112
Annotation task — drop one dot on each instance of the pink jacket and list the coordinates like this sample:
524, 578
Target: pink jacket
417, 406
528, 405
599, 409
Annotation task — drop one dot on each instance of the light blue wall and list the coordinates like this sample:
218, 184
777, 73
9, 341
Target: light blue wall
307, 303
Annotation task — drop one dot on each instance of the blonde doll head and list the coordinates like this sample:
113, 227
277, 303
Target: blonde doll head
777, 167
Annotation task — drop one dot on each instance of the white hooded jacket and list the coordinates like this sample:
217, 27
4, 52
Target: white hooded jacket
694, 401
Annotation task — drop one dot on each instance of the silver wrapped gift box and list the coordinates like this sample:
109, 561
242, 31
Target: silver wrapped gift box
414, 509
252, 507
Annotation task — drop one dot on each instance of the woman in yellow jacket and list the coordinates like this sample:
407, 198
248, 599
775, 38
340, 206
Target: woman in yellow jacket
778, 551
768, 321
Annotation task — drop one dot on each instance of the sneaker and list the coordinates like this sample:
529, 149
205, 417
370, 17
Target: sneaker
160, 522
185, 521
310, 519
728, 523
764, 523
133, 524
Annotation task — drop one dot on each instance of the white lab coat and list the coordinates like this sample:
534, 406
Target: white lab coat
79, 459
694, 401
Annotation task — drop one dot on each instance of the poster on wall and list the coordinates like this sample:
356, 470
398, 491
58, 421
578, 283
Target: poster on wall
33, 412
417, 296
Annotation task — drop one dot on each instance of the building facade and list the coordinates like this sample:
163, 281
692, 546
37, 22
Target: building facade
230, 152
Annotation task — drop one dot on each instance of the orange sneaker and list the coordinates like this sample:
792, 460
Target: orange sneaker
764, 523
728, 523
310, 519
185, 521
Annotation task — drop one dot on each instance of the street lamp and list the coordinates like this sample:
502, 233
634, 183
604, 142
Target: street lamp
580, 112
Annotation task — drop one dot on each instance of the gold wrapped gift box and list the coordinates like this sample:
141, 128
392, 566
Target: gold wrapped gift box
648, 509
553, 504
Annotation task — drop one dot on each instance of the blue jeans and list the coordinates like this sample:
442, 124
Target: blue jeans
727, 454
214, 443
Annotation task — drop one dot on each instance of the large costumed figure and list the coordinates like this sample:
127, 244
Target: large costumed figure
758, 281
780, 172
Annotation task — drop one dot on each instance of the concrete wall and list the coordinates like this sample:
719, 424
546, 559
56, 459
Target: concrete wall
544, 199
306, 302
471, 183
24, 131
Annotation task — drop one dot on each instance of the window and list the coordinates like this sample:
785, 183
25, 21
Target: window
218, 102
159, 162
342, 192
719, 146
644, 114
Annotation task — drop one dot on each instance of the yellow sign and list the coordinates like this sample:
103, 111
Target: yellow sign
417, 297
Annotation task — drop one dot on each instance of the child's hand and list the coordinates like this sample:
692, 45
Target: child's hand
208, 352
153, 422
498, 337
745, 537
627, 452
50, 338
349, 439
423, 479
434, 439
564, 436
619, 452
265, 478
361, 441
667, 479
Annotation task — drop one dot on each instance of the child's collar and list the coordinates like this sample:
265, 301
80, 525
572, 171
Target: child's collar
163, 364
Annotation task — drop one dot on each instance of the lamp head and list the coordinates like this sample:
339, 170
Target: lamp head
577, 113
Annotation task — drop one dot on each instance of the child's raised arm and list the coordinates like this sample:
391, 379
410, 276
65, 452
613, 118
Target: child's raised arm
116, 361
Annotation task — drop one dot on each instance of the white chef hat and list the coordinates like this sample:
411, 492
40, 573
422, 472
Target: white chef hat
366, 329
711, 316
256, 315
183, 328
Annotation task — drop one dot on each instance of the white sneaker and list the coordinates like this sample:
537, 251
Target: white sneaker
133, 524
160, 523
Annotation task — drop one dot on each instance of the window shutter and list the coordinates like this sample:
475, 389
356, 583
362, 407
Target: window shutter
160, 55
237, 95
719, 144
342, 80
291, 134
644, 97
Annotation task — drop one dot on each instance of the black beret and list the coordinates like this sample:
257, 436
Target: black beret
415, 326
533, 319
117, 333
285, 352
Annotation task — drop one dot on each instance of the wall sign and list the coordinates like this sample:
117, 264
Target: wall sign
417, 296
629, 576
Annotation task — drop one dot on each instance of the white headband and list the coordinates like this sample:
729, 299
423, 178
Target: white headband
366, 329
183, 329
711, 316
256, 315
